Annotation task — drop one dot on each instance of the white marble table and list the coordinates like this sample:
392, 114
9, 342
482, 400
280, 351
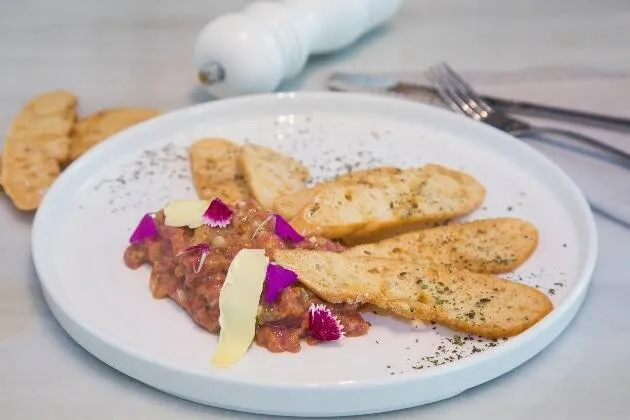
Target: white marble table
138, 52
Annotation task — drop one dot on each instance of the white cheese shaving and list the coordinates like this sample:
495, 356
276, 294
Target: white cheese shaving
189, 213
238, 305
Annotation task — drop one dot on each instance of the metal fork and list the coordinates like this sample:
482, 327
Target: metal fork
462, 98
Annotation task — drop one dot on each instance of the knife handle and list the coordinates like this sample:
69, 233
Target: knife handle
254, 50
560, 114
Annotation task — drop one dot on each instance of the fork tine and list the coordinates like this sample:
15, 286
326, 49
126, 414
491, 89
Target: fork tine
447, 91
433, 78
449, 94
466, 88
455, 82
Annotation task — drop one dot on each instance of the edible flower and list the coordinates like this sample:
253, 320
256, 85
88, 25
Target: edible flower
284, 230
203, 249
323, 325
146, 229
218, 214
277, 279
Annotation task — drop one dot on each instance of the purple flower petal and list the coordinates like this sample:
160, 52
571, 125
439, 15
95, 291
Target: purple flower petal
284, 230
218, 214
278, 278
203, 249
322, 324
146, 229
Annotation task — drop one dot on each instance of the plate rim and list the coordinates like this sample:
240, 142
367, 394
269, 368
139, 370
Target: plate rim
576, 296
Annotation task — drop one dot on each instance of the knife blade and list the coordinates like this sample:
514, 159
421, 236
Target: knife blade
380, 84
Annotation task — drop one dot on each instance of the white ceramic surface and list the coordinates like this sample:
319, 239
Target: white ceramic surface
81, 230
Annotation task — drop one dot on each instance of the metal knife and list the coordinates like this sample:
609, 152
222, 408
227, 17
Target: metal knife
355, 82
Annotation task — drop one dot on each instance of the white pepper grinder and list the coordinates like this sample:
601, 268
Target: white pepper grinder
254, 50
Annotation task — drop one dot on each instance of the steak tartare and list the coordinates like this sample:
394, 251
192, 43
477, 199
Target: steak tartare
194, 283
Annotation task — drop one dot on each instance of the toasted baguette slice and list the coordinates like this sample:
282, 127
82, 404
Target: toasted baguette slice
270, 174
369, 176
36, 147
434, 180
484, 246
215, 170
50, 113
95, 128
289, 205
428, 194
481, 304
364, 237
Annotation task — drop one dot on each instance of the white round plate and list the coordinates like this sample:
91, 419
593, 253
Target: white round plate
82, 228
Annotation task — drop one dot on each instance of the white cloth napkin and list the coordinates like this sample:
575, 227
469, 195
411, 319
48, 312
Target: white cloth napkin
605, 185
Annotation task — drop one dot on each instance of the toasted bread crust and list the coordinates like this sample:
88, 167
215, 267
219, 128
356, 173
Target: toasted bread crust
95, 128
289, 205
497, 245
481, 304
430, 194
270, 174
215, 170
36, 147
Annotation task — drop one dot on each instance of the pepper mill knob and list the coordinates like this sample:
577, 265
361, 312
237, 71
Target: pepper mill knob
254, 50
